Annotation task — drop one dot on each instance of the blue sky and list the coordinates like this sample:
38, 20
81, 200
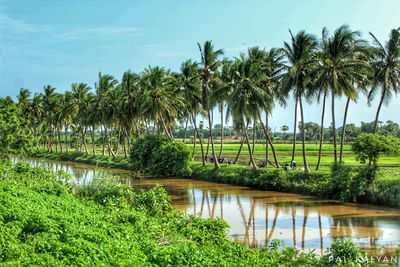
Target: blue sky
59, 42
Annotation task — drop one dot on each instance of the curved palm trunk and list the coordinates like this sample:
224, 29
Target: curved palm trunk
343, 129
84, 141
379, 109
321, 138
216, 163
303, 137
66, 139
253, 163
201, 142
334, 128
93, 143
294, 129
59, 140
186, 126
240, 150
254, 137
269, 141
103, 152
222, 131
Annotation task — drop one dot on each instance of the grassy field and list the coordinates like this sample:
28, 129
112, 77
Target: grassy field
390, 165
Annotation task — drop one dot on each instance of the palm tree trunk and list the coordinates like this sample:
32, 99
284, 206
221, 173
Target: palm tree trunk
93, 143
343, 129
294, 129
254, 137
186, 126
321, 138
210, 121
103, 152
253, 163
222, 130
379, 109
199, 136
269, 141
59, 140
334, 128
84, 140
303, 136
240, 150
66, 139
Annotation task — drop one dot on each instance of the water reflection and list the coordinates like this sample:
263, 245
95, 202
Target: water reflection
258, 217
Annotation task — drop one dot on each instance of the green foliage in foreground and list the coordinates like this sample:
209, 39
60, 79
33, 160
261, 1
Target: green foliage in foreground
156, 155
45, 223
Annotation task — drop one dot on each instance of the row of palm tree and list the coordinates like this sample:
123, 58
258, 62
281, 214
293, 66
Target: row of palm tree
339, 64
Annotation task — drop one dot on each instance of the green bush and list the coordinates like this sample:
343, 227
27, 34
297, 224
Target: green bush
156, 155
171, 159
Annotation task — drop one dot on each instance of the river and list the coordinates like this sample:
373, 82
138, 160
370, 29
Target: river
257, 217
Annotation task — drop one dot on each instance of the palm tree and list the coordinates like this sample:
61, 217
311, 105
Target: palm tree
386, 70
106, 83
159, 102
301, 57
79, 93
48, 105
209, 65
129, 115
342, 65
191, 93
247, 99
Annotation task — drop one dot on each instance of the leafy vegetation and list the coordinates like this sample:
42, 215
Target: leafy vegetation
156, 155
44, 222
14, 129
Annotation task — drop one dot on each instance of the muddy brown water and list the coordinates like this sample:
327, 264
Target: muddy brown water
257, 217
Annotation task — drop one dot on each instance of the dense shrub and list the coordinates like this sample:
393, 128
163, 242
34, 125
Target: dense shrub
156, 155
143, 149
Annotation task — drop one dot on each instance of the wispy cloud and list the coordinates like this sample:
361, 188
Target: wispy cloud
16, 25
97, 31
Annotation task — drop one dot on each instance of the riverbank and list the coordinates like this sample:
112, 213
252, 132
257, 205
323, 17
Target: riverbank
43, 221
385, 192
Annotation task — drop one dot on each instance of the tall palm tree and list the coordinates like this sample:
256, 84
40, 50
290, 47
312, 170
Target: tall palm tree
301, 57
48, 104
386, 68
247, 99
209, 65
79, 93
106, 83
342, 66
191, 93
129, 115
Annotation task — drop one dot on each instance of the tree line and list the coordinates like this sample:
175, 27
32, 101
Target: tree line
247, 87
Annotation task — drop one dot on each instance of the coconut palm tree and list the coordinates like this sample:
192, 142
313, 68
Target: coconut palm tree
386, 70
189, 83
247, 99
341, 67
301, 57
158, 101
48, 105
209, 65
106, 83
129, 115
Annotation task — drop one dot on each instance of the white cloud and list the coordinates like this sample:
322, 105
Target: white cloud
97, 31
16, 25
